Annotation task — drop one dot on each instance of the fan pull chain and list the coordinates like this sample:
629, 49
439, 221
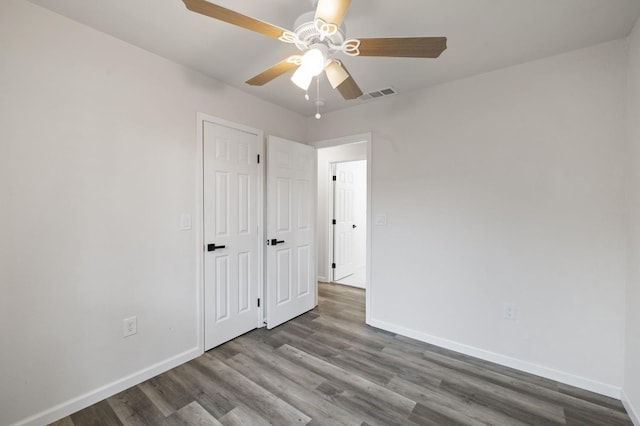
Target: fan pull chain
318, 102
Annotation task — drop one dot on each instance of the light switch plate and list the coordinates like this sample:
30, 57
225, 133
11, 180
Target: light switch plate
185, 222
129, 326
381, 220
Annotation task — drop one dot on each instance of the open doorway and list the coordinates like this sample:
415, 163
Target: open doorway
334, 154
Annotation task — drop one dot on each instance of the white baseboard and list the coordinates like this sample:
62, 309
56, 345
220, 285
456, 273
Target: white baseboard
351, 285
323, 279
633, 413
69, 407
518, 364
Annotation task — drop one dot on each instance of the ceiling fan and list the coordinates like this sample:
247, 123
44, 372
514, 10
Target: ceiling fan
320, 36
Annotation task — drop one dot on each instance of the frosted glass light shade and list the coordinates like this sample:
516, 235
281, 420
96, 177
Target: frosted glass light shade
302, 78
313, 60
312, 64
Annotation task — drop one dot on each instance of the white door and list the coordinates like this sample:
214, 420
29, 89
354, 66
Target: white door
232, 267
344, 220
291, 198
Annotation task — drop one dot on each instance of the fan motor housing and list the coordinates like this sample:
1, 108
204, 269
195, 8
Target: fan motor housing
305, 29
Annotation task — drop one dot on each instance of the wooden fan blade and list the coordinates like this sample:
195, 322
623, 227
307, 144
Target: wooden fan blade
332, 11
227, 15
407, 47
336, 74
349, 88
275, 71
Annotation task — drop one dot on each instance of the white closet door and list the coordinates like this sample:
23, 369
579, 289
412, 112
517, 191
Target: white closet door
291, 257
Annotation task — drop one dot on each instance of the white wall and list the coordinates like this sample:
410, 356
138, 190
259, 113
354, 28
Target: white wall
505, 187
97, 163
349, 152
632, 361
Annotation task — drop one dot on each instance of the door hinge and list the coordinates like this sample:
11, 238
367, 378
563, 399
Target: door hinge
258, 302
258, 158
334, 222
335, 178
333, 266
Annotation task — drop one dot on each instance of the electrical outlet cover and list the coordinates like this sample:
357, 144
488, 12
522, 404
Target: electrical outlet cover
509, 311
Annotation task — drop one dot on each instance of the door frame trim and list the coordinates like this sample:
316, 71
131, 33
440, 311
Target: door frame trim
346, 140
199, 218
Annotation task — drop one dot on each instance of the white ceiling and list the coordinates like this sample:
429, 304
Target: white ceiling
483, 35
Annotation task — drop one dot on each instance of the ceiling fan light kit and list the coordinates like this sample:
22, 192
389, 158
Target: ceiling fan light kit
321, 35
312, 64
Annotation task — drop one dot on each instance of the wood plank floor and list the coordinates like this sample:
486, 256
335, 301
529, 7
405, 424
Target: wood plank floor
327, 367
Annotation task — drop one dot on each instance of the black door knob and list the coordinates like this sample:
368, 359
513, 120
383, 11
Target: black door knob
213, 247
275, 242
354, 226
